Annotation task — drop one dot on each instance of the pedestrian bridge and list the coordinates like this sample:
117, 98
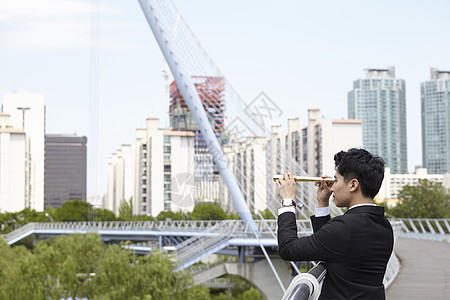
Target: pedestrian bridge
195, 240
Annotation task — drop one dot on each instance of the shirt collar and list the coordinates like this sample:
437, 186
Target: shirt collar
362, 204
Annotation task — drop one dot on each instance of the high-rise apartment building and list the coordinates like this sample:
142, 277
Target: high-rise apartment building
379, 101
12, 166
121, 178
27, 112
164, 168
435, 100
248, 161
323, 138
65, 169
255, 159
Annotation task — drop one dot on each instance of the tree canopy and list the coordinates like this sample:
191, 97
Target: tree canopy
208, 211
80, 266
426, 200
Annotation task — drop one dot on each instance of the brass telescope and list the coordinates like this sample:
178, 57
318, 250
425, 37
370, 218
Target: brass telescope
305, 178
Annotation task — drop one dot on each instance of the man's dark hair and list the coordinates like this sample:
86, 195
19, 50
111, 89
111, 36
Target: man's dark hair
362, 165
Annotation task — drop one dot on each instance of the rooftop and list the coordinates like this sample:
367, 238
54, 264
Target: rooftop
388, 72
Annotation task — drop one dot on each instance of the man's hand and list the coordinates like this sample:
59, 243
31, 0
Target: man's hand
324, 192
287, 186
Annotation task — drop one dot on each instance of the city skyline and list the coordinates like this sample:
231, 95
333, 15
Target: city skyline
302, 55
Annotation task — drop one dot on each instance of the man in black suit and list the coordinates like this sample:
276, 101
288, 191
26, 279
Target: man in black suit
355, 246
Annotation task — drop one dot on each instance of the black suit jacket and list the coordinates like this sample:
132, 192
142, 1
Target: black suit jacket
355, 248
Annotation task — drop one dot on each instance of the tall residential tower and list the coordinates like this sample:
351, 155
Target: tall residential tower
435, 98
379, 102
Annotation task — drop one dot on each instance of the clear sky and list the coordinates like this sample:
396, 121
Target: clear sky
302, 54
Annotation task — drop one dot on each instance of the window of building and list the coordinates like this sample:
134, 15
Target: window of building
167, 178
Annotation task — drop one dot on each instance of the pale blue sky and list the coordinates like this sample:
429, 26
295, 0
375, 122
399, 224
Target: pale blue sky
303, 54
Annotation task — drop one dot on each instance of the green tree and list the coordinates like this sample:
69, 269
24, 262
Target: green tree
168, 214
250, 294
266, 214
126, 210
232, 216
426, 200
104, 215
10, 221
80, 266
208, 211
122, 275
13, 261
74, 210
67, 261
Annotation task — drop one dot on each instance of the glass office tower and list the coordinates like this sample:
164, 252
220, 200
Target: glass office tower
378, 100
435, 101
65, 169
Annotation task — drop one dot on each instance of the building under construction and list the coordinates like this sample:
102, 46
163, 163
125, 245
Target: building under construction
211, 92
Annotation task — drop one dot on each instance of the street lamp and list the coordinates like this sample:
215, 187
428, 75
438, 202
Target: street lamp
50, 217
23, 109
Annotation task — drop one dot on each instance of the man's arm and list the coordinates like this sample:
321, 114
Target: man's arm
316, 247
329, 243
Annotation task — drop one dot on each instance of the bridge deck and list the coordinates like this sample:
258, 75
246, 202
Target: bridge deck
425, 270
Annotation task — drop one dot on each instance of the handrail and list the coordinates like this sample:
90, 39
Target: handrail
307, 285
429, 229
199, 244
236, 228
426, 225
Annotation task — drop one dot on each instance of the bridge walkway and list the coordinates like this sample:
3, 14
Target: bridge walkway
424, 272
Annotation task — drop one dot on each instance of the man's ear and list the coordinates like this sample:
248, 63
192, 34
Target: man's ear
354, 184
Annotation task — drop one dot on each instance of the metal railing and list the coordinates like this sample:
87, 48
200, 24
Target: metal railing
430, 229
237, 228
188, 251
306, 285
438, 227
393, 266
